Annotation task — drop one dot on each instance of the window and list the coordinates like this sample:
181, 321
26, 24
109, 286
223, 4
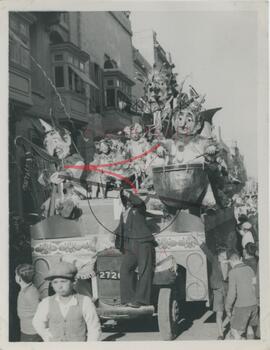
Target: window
69, 67
58, 57
109, 63
18, 52
110, 98
70, 78
96, 73
14, 51
64, 17
82, 66
76, 62
25, 59
70, 59
110, 82
59, 76
75, 83
23, 29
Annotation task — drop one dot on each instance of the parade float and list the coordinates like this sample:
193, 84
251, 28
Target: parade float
182, 181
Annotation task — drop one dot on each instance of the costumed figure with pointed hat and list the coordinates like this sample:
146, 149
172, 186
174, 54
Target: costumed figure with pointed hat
67, 189
194, 143
160, 92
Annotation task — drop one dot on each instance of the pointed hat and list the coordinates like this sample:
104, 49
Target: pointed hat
207, 115
46, 126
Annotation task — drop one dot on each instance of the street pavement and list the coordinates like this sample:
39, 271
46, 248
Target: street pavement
198, 324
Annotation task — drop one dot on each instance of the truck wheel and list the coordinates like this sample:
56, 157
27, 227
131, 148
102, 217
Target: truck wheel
168, 313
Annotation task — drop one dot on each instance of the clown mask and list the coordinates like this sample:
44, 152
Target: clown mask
186, 123
104, 147
157, 87
57, 145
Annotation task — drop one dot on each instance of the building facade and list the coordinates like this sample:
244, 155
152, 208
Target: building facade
75, 68
142, 68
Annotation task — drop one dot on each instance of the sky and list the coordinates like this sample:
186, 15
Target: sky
219, 52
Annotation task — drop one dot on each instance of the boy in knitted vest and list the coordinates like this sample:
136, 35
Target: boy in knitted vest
66, 316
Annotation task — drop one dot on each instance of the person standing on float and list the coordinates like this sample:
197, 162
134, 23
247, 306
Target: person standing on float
135, 240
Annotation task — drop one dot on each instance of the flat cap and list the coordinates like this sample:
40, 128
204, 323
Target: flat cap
62, 270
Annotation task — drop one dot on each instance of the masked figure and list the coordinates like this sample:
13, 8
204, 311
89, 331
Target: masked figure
67, 189
137, 145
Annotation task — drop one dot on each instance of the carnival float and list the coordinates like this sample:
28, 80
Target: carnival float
174, 163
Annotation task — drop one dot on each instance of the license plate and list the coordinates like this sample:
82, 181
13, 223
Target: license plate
109, 275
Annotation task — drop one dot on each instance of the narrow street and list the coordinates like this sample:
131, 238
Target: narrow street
199, 326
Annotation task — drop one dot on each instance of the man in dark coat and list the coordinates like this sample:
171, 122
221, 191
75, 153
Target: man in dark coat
135, 240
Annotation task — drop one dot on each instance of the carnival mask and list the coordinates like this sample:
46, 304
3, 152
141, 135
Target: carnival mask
57, 145
156, 87
186, 123
104, 147
56, 142
136, 132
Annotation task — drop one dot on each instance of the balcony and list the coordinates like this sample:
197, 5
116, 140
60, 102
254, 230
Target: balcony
76, 106
117, 88
19, 59
72, 80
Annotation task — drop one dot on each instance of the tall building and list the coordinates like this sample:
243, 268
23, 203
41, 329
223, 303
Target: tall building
74, 66
142, 68
107, 37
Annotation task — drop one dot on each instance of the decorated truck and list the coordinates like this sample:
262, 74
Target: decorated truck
184, 183
181, 272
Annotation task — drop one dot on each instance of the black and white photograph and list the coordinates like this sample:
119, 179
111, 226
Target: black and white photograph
137, 160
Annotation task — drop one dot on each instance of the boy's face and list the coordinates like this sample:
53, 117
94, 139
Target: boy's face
62, 286
222, 256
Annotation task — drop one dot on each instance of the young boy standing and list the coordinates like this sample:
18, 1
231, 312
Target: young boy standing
249, 256
242, 296
27, 302
66, 316
218, 281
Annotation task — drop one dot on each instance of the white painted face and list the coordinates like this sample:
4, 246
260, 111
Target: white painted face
185, 123
136, 132
104, 148
157, 87
56, 145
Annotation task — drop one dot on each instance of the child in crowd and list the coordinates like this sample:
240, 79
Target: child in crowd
241, 297
66, 316
245, 232
249, 256
27, 303
250, 259
218, 281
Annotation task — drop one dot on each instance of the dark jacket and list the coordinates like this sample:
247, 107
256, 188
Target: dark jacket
216, 276
136, 226
252, 262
